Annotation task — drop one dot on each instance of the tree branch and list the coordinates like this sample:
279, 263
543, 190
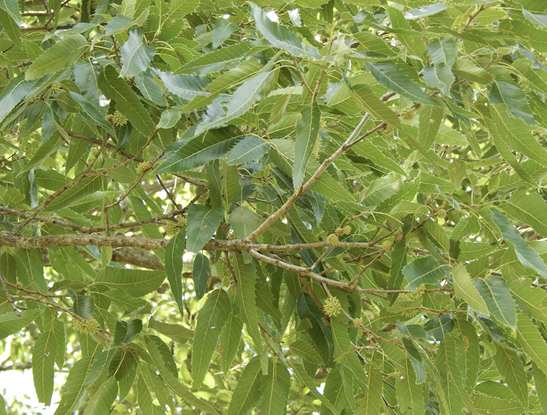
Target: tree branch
313, 179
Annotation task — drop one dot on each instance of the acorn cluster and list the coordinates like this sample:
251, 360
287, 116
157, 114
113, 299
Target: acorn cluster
86, 326
389, 130
144, 167
346, 230
407, 113
203, 199
332, 307
117, 119
172, 228
333, 240
387, 246
55, 87
316, 148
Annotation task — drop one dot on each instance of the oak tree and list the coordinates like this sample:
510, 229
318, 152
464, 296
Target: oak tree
315, 206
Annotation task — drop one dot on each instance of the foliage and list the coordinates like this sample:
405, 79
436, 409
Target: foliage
275, 207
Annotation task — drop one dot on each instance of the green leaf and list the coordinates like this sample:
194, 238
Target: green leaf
210, 320
370, 403
516, 134
103, 398
174, 331
30, 268
230, 337
135, 282
497, 297
528, 207
173, 266
306, 349
126, 332
281, 37
246, 297
440, 77
43, 359
223, 30
496, 398
12, 94
309, 382
212, 145
387, 74
464, 68
172, 383
200, 273
239, 103
249, 149
541, 386
75, 193
430, 121
426, 270
202, 224
11, 27
247, 392
169, 118
11, 7
335, 390
215, 61
92, 113
60, 56
180, 8
424, 11
533, 298
307, 130
127, 101
369, 150
74, 386
344, 352
144, 396
464, 289
124, 300
136, 55
100, 365
515, 99
450, 366
531, 341
150, 89
184, 86
121, 23
11, 323
83, 305
410, 395
274, 390
526, 255
368, 99
525, 69
443, 51
510, 367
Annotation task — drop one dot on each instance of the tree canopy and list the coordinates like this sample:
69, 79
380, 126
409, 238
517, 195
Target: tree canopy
227, 207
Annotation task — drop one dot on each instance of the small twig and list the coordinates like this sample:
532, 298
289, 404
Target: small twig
233, 278
7, 294
380, 254
168, 193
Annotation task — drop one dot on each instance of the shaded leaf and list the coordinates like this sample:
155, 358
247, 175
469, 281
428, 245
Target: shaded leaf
200, 273
387, 74
497, 297
202, 224
61, 55
173, 266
